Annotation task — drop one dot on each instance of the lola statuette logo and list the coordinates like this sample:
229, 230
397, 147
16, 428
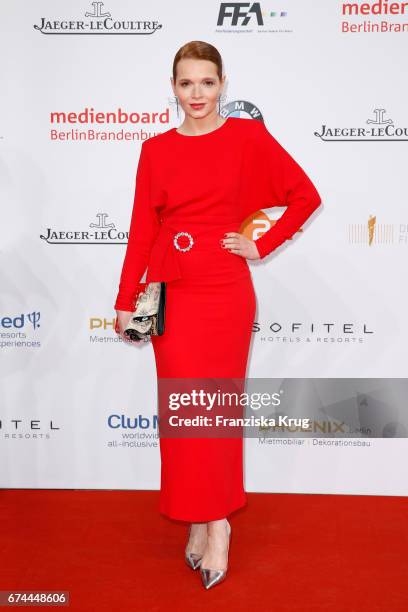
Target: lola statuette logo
373, 233
97, 21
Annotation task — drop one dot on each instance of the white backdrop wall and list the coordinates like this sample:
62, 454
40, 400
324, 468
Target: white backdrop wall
333, 91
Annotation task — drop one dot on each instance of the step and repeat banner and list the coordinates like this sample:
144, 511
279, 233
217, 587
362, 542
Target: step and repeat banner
83, 84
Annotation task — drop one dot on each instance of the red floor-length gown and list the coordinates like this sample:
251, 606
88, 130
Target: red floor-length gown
207, 185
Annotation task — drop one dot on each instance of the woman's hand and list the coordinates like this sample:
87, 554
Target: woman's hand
122, 319
240, 245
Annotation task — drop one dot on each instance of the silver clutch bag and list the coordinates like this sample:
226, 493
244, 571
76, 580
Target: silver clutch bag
148, 318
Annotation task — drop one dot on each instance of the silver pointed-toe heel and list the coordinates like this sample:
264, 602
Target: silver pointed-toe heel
193, 560
211, 577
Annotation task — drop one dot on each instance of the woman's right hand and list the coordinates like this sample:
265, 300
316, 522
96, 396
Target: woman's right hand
122, 319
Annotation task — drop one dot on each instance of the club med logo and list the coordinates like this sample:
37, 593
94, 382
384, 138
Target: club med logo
138, 431
16, 330
101, 232
123, 421
379, 129
373, 233
97, 21
22, 321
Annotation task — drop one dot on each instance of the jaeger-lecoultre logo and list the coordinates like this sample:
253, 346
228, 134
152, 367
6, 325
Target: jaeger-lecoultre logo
100, 233
98, 21
380, 130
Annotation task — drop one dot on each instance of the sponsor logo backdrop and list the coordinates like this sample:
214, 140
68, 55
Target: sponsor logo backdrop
84, 83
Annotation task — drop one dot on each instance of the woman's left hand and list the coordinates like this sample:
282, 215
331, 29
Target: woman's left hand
240, 245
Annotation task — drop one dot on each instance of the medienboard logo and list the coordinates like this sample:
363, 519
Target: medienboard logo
385, 13
98, 21
379, 129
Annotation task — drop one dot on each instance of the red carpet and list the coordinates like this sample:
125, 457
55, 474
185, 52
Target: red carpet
113, 551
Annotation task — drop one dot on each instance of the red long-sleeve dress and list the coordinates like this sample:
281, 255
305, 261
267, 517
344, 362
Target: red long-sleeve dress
207, 185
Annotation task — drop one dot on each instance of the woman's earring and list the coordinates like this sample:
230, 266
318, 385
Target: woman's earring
220, 97
174, 100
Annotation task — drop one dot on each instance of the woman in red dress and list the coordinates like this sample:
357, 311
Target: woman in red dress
195, 186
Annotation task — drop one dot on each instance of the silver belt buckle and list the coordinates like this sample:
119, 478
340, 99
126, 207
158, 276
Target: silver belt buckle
187, 248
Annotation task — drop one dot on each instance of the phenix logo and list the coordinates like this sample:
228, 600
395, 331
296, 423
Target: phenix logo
99, 22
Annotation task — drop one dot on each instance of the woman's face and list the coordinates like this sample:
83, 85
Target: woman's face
197, 87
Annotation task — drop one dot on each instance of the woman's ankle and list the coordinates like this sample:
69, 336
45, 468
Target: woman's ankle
198, 526
218, 528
